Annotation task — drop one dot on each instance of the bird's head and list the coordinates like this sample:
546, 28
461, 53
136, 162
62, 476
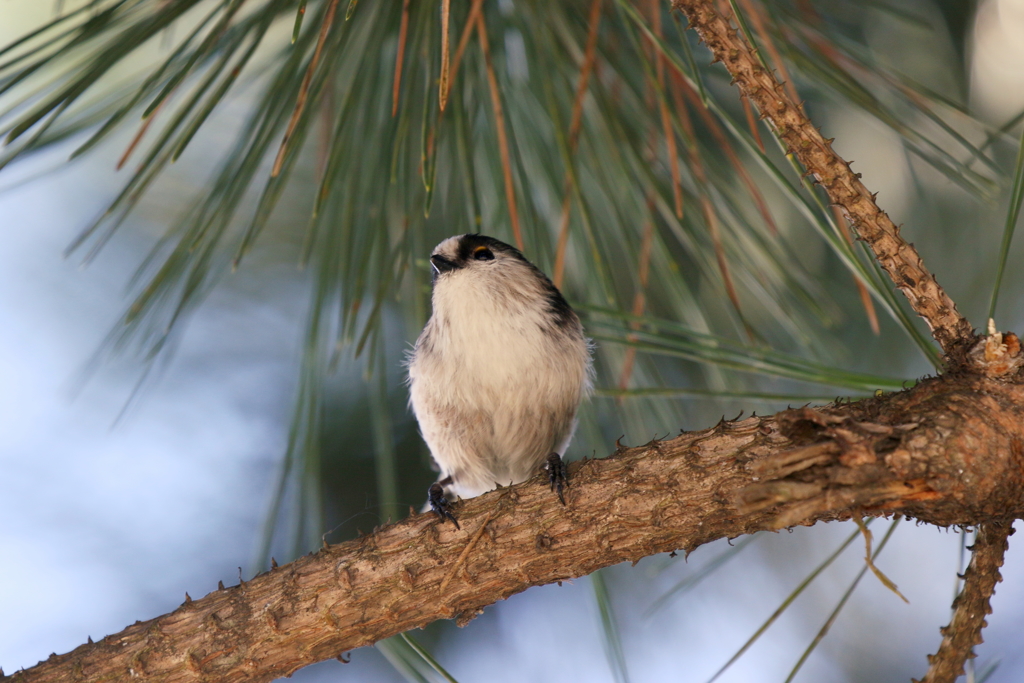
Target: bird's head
474, 254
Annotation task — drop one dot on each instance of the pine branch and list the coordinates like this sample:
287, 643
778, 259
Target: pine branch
943, 452
971, 606
898, 257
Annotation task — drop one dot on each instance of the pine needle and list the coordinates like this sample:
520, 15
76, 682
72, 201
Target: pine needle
886, 581
446, 6
300, 103
785, 604
827, 626
589, 55
403, 32
499, 124
299, 14
1012, 213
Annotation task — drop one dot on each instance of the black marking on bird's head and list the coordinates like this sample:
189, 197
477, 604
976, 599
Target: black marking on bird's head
475, 247
472, 250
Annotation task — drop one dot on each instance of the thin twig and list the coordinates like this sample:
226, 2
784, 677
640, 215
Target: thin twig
971, 606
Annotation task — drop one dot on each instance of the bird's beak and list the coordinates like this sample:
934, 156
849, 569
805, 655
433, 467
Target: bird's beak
441, 265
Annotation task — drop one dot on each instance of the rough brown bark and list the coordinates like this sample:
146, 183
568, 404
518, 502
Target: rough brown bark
971, 606
898, 257
948, 451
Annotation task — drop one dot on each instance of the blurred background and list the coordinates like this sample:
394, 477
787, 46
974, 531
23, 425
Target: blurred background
201, 358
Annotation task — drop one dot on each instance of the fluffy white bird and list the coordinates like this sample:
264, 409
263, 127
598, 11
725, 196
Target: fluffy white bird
498, 373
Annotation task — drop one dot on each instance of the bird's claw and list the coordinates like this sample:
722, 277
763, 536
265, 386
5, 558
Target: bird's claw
440, 504
557, 475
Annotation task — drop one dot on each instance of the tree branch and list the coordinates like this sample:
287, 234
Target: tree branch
971, 606
898, 257
995, 355
948, 451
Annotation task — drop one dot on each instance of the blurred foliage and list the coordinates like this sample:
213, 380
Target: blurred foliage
592, 134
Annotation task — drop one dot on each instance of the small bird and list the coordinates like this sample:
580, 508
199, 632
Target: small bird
498, 373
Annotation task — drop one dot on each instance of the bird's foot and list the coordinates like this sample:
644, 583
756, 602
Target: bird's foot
557, 475
440, 504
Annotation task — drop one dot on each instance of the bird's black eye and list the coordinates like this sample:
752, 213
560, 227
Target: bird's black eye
483, 254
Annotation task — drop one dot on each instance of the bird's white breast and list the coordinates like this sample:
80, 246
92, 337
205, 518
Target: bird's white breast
495, 384
492, 350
